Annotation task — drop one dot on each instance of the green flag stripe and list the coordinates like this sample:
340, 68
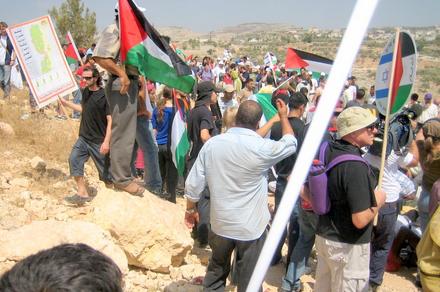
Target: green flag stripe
71, 61
266, 105
181, 150
401, 97
157, 70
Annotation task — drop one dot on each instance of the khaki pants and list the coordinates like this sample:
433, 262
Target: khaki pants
341, 266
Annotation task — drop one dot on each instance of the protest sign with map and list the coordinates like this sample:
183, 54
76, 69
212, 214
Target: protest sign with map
42, 60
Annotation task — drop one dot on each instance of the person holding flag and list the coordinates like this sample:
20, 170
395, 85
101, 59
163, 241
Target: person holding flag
121, 90
126, 49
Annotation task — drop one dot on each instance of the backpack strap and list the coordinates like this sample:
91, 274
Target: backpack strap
322, 151
344, 158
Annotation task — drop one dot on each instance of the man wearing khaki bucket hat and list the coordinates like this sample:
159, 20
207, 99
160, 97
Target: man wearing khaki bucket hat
344, 233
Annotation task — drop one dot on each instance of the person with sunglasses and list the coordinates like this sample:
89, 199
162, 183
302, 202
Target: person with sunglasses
344, 233
94, 136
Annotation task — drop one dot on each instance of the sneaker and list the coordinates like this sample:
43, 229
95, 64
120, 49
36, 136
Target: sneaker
77, 200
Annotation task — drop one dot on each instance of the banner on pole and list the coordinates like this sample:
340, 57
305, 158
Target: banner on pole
42, 60
404, 74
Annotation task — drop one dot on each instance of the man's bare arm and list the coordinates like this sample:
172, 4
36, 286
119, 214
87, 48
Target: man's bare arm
110, 65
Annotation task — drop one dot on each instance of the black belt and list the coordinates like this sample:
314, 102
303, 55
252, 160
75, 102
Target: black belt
131, 77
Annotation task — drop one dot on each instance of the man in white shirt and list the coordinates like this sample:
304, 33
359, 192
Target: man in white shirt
219, 69
227, 100
234, 166
430, 110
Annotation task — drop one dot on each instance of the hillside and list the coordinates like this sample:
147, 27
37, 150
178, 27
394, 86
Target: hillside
255, 39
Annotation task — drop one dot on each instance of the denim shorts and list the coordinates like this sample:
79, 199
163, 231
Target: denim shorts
81, 152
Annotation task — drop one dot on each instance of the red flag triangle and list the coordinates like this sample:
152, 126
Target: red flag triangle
293, 61
398, 72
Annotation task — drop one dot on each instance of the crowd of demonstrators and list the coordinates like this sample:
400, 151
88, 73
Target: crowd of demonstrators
347, 228
129, 120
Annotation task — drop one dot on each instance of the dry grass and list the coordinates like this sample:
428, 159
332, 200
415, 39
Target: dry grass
40, 134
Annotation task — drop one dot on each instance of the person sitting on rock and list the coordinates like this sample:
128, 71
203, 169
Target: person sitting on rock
94, 135
67, 267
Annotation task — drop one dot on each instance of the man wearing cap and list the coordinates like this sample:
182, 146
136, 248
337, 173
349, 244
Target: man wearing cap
430, 110
228, 99
201, 128
234, 166
344, 233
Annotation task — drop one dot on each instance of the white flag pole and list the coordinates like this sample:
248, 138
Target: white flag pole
351, 42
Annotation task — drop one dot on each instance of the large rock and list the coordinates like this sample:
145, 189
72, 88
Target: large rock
19, 243
150, 230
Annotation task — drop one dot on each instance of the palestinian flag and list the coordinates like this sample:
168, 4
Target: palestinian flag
143, 48
293, 61
404, 73
315, 63
179, 138
264, 99
71, 53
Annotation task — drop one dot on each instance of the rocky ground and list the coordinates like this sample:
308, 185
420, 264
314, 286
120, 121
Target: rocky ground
144, 236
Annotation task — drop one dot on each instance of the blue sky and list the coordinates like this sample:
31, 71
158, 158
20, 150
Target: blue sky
205, 15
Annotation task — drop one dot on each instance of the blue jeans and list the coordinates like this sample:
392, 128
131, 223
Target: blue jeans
300, 254
293, 231
5, 79
423, 208
383, 236
144, 137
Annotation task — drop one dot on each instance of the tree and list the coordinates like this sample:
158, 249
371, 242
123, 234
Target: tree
79, 20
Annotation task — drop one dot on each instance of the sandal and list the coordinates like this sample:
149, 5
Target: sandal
77, 200
132, 188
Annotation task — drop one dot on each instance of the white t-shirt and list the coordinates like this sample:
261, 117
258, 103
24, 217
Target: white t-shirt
391, 183
224, 105
217, 71
428, 113
3, 49
353, 91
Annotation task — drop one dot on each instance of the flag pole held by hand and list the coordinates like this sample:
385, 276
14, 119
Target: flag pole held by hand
387, 115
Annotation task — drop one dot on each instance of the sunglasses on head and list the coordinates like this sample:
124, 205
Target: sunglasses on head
88, 78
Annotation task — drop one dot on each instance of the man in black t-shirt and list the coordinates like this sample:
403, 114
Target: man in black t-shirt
201, 127
297, 103
94, 135
344, 233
